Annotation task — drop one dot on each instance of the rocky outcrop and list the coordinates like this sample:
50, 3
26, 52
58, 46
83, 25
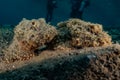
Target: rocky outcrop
29, 35
76, 33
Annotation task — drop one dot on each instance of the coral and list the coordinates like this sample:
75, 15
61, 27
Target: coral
76, 33
29, 35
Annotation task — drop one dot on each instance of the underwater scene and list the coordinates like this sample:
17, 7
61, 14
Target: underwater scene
59, 40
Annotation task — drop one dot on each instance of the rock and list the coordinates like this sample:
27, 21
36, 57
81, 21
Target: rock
75, 33
28, 36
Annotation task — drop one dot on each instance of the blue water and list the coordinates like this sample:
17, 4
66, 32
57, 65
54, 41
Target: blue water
106, 12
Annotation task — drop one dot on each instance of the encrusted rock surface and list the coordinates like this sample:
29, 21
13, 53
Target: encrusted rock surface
29, 35
105, 66
102, 63
76, 50
75, 33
